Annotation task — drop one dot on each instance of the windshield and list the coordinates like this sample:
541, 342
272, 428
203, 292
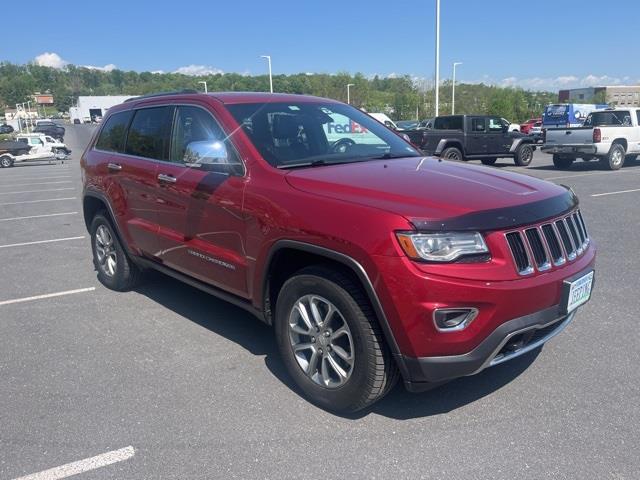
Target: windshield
303, 134
598, 119
556, 110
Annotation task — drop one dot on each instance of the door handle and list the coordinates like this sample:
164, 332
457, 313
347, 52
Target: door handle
114, 166
166, 178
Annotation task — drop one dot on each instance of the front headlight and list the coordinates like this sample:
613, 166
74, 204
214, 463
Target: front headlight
441, 247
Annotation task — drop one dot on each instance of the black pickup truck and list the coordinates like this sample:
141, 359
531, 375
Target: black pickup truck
475, 137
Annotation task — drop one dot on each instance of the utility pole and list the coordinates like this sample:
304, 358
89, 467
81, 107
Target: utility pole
349, 85
437, 56
453, 88
268, 57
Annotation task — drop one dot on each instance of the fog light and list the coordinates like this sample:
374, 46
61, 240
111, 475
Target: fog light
454, 319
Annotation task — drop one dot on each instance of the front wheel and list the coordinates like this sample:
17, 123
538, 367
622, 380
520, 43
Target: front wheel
524, 155
330, 341
6, 161
452, 153
562, 163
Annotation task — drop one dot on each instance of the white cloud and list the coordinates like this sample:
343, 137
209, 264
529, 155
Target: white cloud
553, 83
107, 68
198, 70
50, 59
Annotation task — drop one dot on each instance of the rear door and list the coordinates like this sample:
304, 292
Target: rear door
476, 136
201, 223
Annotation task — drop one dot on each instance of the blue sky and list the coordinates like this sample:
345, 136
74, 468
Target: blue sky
531, 43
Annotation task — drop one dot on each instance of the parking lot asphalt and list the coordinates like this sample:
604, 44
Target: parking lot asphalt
168, 382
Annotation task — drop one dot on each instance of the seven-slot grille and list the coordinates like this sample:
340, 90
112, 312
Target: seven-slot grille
551, 244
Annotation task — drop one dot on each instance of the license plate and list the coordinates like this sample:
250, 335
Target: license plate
578, 291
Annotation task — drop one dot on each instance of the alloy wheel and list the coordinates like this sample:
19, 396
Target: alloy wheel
105, 251
321, 341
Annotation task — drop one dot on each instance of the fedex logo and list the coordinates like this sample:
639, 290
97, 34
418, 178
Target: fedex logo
350, 127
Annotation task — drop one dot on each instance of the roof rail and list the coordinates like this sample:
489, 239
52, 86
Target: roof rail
162, 94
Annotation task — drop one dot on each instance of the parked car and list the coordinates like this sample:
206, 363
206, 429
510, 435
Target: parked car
407, 124
477, 137
528, 125
4, 128
51, 129
612, 136
427, 123
385, 120
568, 115
372, 262
511, 127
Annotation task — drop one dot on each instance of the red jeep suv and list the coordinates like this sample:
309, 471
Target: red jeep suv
370, 260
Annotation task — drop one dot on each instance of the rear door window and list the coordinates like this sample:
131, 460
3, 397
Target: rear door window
478, 125
149, 133
114, 133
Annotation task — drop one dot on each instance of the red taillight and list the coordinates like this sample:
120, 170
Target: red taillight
597, 135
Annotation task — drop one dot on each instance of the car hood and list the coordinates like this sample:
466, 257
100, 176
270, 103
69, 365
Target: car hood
437, 194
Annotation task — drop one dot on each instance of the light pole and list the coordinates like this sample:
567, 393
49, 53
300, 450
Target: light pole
205, 85
268, 57
437, 56
349, 85
453, 88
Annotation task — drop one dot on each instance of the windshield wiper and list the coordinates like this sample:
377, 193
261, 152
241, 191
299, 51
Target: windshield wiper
389, 156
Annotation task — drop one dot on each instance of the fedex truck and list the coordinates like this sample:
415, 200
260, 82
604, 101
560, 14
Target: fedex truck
567, 115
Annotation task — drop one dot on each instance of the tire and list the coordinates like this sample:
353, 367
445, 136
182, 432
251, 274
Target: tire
615, 158
122, 274
488, 161
452, 153
372, 371
6, 161
562, 163
524, 155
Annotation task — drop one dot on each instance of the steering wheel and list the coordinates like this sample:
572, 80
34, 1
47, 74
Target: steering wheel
342, 145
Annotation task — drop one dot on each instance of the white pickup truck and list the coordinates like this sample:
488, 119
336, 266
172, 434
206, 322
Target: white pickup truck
612, 136
38, 147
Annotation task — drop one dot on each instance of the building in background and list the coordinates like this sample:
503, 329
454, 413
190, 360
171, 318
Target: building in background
89, 109
618, 95
43, 99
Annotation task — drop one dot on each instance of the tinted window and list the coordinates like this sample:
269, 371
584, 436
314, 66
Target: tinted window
448, 123
477, 125
149, 133
597, 119
113, 134
196, 132
638, 115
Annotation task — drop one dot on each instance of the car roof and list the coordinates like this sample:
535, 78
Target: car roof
230, 98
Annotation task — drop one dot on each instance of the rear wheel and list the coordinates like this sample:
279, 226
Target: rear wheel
115, 269
524, 155
6, 161
452, 153
330, 341
489, 161
615, 158
561, 162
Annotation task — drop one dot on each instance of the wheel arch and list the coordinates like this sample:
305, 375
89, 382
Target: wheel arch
288, 256
444, 144
621, 141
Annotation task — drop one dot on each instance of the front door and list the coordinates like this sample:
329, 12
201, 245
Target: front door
498, 137
200, 218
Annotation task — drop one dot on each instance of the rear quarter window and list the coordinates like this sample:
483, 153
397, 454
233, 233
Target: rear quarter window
448, 123
113, 134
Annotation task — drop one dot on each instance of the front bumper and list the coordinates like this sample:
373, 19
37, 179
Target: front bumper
510, 340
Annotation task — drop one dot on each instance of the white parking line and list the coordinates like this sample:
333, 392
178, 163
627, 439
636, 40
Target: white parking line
40, 201
618, 172
36, 177
81, 466
615, 193
38, 191
37, 216
38, 183
38, 242
47, 295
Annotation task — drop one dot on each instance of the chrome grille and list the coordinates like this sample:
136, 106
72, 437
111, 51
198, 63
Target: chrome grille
554, 243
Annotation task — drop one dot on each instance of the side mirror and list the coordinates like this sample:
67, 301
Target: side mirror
505, 128
210, 155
